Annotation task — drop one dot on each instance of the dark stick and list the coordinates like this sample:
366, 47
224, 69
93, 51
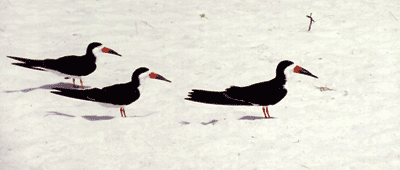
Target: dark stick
311, 21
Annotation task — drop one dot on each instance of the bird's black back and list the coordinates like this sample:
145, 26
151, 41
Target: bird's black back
263, 93
118, 94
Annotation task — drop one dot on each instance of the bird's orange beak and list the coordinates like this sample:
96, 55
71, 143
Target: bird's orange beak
157, 76
301, 70
110, 51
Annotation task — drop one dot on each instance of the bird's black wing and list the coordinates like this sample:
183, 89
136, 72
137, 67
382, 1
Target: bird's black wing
93, 94
28, 63
72, 65
213, 97
119, 94
122, 94
263, 93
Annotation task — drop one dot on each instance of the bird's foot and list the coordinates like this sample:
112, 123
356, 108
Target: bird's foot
265, 110
82, 84
122, 110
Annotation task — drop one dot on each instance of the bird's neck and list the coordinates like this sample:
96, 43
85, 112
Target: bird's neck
90, 56
281, 78
89, 51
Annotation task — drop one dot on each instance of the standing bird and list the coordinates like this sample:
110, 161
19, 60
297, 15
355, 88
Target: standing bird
118, 95
260, 94
68, 66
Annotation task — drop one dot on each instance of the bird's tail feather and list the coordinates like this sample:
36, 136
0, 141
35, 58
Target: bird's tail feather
77, 94
28, 63
213, 97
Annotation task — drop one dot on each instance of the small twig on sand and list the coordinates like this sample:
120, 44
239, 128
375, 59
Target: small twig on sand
147, 24
393, 16
203, 16
325, 89
311, 21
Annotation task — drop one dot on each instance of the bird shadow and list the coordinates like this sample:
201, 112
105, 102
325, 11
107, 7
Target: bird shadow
49, 86
210, 122
90, 117
58, 114
184, 123
97, 118
254, 118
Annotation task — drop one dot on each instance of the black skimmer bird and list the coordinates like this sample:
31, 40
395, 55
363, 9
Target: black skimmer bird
260, 94
118, 95
68, 66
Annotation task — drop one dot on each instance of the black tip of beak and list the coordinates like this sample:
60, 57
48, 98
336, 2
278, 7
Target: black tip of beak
314, 76
306, 72
159, 77
113, 52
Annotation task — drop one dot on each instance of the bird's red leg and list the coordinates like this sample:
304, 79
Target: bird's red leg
265, 110
123, 109
82, 84
120, 109
73, 81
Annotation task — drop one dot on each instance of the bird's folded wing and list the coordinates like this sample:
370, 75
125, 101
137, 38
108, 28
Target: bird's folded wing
213, 97
93, 94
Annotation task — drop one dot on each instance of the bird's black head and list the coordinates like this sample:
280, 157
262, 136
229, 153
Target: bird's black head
138, 72
91, 46
282, 66
143, 73
286, 63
